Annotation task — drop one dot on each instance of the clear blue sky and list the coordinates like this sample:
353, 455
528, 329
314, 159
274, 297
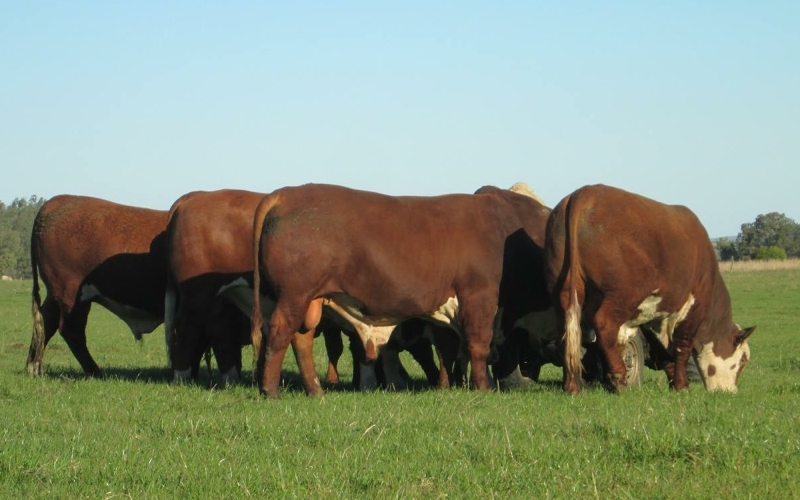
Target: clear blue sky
688, 102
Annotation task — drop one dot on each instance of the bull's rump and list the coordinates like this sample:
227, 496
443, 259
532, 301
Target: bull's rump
211, 232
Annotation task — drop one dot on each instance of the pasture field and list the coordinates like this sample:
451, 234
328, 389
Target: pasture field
134, 435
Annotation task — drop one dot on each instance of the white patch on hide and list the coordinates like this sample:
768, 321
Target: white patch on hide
377, 330
670, 322
447, 312
380, 329
138, 321
648, 312
725, 369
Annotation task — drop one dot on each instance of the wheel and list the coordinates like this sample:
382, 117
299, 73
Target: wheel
633, 356
692, 371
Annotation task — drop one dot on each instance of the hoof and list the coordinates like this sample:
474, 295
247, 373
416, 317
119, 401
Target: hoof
270, 394
35, 369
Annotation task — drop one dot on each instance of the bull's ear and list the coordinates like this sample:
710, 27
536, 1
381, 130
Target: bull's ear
743, 334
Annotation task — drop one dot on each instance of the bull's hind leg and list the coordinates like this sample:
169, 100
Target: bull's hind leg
277, 341
73, 330
285, 323
303, 345
190, 340
611, 338
227, 329
50, 317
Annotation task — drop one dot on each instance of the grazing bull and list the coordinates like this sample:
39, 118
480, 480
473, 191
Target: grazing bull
378, 260
210, 270
615, 261
90, 250
210, 260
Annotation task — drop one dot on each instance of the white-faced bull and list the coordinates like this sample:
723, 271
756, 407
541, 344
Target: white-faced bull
616, 261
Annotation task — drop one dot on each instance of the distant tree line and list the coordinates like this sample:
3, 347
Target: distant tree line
16, 222
770, 236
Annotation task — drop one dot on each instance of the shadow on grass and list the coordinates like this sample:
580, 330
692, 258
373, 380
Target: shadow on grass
291, 381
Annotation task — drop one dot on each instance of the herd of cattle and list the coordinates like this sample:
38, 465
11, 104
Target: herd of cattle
482, 280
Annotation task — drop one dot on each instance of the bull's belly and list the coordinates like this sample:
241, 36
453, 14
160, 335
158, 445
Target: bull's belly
138, 320
378, 329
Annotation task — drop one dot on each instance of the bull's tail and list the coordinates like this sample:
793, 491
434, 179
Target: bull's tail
37, 337
256, 318
171, 289
170, 313
572, 320
572, 337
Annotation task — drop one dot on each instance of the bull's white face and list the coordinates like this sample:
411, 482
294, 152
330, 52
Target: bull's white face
722, 374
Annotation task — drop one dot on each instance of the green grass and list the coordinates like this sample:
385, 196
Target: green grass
133, 435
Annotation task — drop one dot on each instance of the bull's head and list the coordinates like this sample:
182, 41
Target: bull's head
721, 373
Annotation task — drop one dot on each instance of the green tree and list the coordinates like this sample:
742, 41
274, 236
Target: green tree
16, 222
769, 230
727, 249
771, 253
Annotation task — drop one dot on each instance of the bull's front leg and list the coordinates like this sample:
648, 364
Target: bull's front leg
680, 378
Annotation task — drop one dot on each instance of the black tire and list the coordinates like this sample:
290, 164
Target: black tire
692, 371
633, 356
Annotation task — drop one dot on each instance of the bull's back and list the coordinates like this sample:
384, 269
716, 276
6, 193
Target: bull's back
622, 239
356, 239
118, 248
212, 232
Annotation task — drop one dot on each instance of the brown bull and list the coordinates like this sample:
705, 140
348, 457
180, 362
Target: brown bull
616, 261
378, 260
210, 261
90, 250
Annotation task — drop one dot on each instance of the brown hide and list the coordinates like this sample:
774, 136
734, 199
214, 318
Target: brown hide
209, 245
80, 242
608, 251
400, 257
208, 242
